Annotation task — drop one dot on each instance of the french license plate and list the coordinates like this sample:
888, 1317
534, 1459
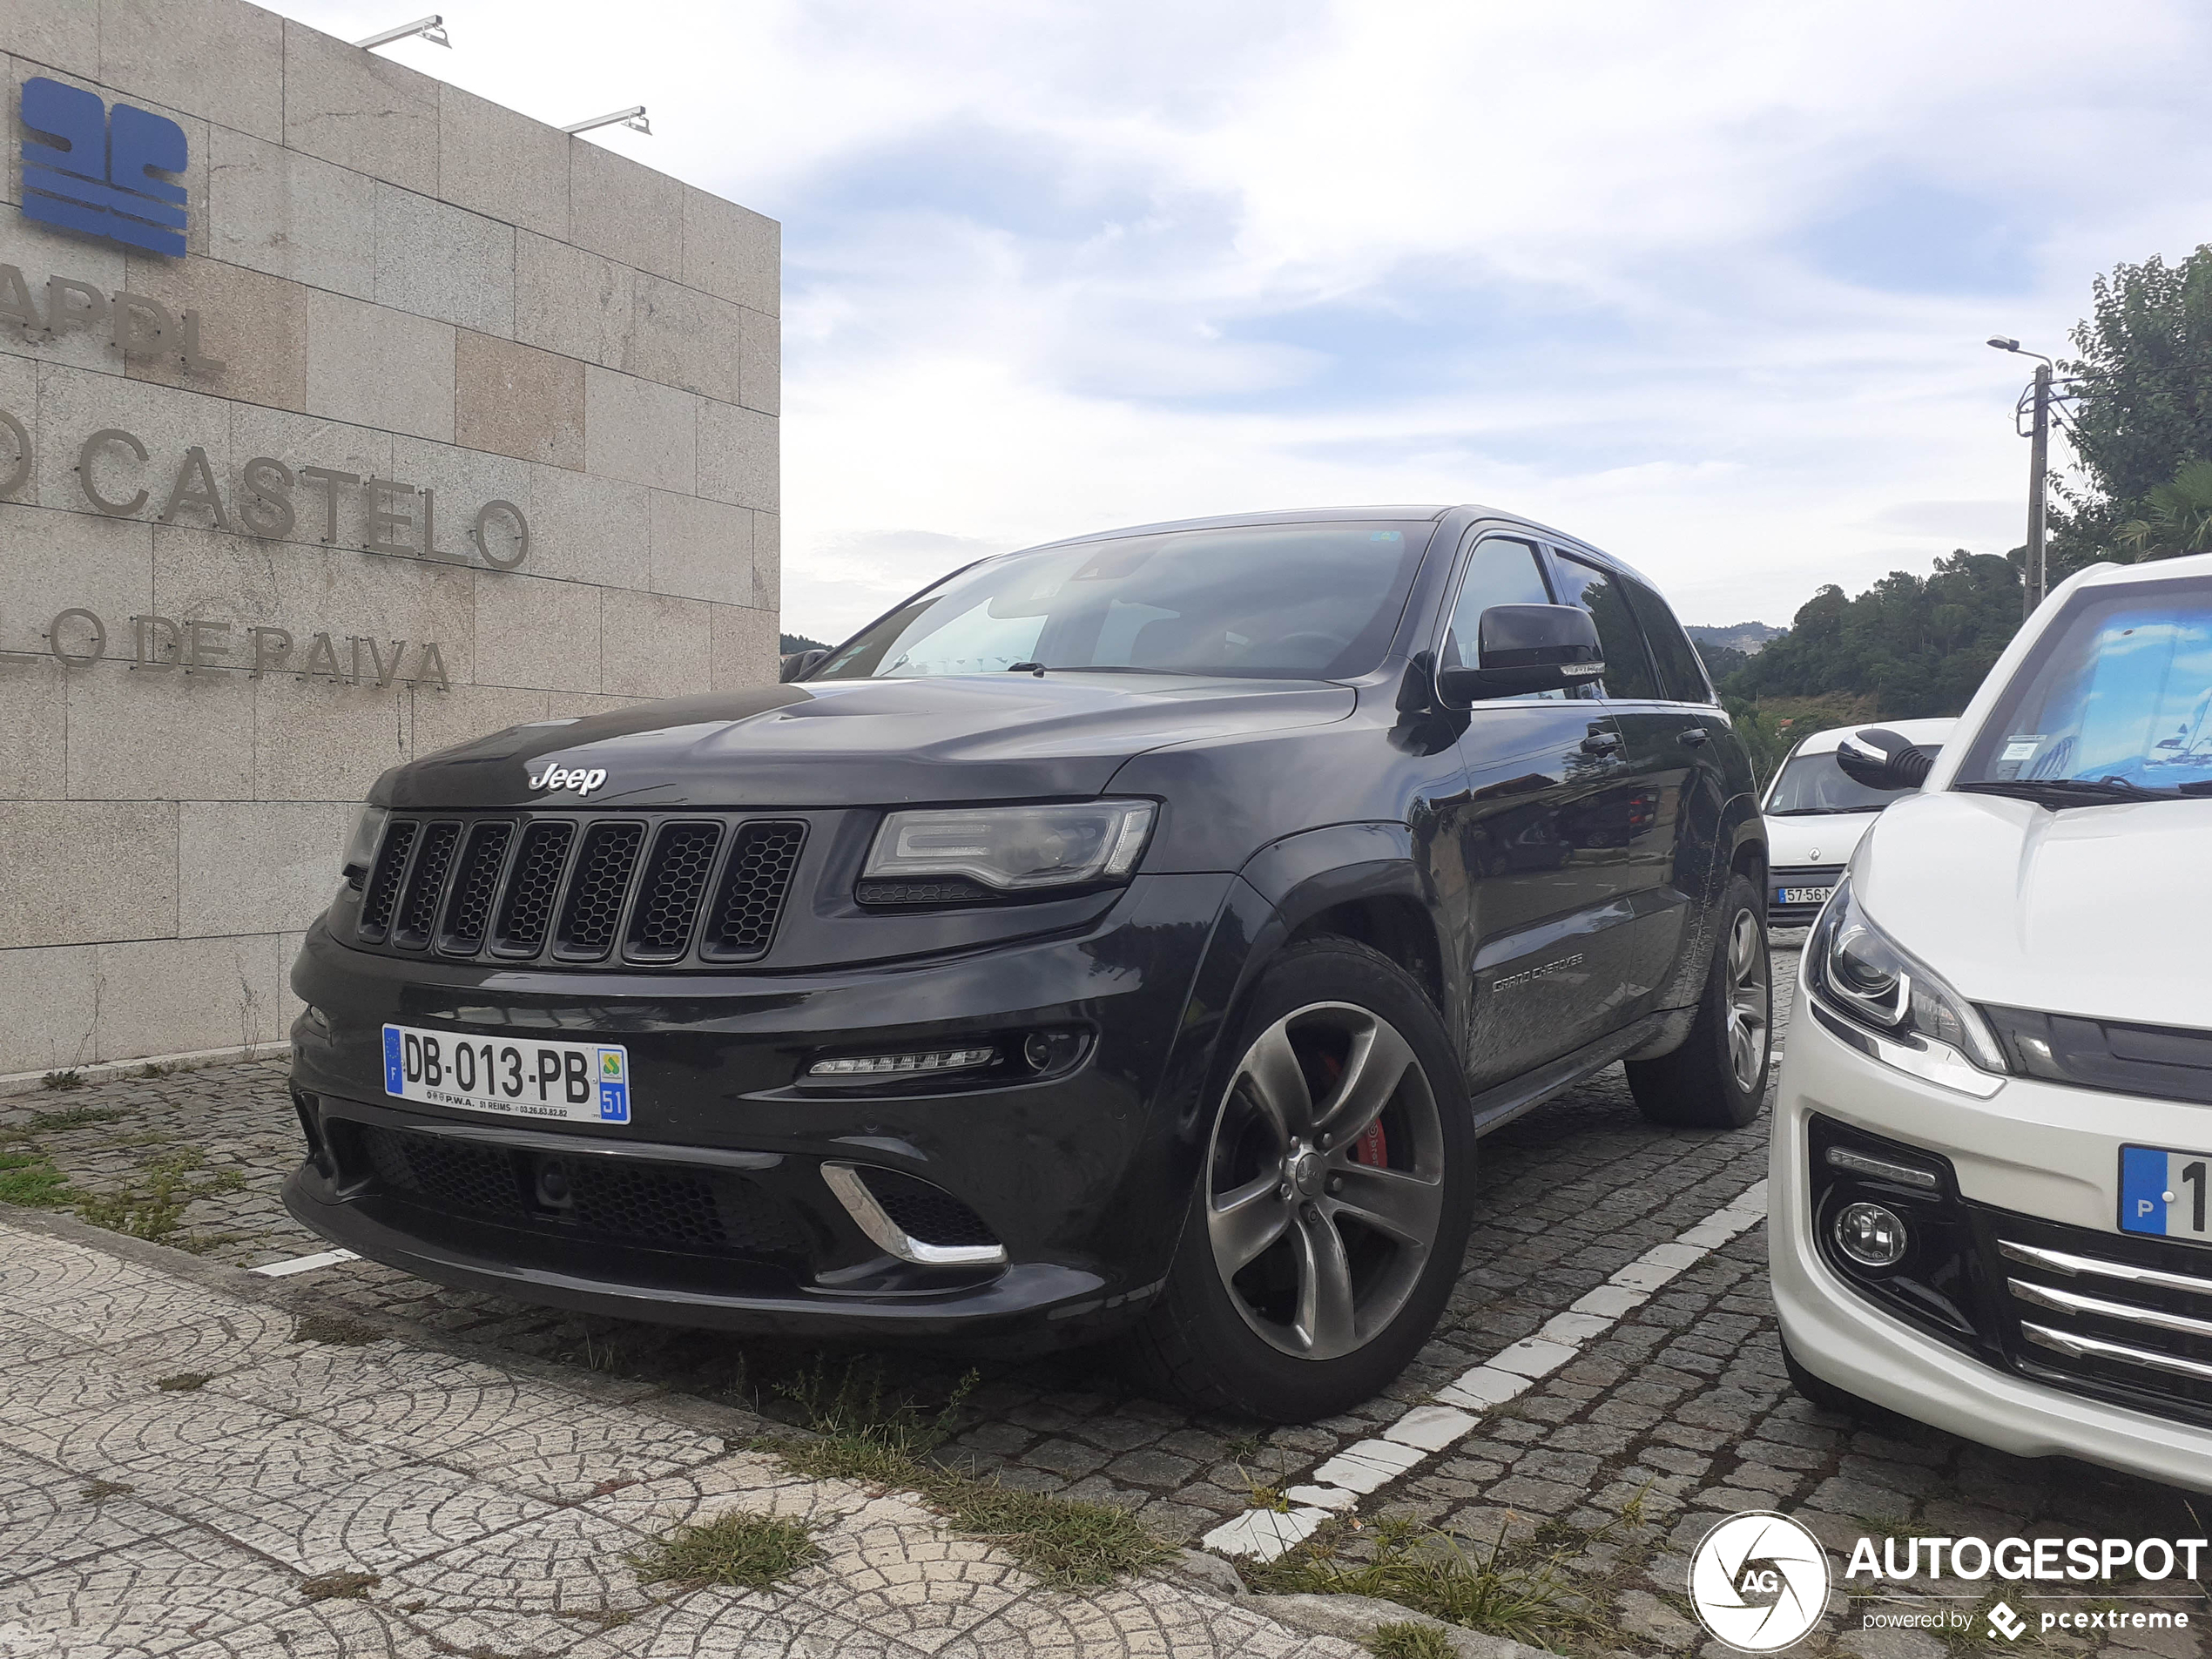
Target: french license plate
578, 1083
2164, 1192
1802, 895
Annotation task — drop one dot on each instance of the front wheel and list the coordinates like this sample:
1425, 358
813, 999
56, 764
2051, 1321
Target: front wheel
1716, 1079
1333, 1200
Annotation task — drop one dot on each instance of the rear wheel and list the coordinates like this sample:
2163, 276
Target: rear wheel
1716, 1079
1333, 1200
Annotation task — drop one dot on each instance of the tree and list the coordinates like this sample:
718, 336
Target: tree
2144, 408
2179, 517
1916, 645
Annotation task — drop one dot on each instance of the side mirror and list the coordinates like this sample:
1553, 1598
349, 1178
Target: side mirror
1882, 758
798, 665
1525, 648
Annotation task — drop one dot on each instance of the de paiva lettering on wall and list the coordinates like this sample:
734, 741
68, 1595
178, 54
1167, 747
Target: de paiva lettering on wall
115, 174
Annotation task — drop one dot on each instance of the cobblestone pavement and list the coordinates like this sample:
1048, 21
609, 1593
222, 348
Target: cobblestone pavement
187, 1468
1679, 1413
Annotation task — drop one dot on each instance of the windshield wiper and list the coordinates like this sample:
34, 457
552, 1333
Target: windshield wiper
1819, 812
2065, 792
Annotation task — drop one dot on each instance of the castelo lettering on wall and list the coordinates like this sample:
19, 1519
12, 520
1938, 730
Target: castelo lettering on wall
119, 476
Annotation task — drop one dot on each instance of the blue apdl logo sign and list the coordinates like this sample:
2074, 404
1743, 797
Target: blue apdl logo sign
103, 176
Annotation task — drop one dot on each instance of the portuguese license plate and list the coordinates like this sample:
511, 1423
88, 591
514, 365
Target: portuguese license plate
1802, 895
578, 1083
2164, 1192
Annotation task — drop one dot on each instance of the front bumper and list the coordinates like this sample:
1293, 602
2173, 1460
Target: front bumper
709, 1207
2035, 1167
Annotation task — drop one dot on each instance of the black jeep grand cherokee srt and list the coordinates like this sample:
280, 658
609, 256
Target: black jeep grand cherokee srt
1133, 934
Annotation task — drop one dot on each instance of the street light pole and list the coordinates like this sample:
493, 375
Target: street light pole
2039, 453
2038, 472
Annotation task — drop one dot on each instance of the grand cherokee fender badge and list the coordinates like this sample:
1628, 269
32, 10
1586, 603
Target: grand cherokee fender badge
576, 777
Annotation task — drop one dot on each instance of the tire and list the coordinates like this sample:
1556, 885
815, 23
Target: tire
1717, 1078
1827, 1395
1289, 1299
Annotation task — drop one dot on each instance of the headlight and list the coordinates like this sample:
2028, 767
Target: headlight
1908, 1017
1012, 849
368, 830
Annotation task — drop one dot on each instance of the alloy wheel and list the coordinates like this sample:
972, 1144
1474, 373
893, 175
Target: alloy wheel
1324, 1180
1750, 1002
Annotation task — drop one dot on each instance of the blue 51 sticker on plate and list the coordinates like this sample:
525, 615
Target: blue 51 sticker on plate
2164, 1192
578, 1083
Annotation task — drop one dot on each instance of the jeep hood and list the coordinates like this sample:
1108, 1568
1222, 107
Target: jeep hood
853, 743
2100, 911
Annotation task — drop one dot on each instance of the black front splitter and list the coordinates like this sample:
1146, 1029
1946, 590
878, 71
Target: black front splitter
1028, 1306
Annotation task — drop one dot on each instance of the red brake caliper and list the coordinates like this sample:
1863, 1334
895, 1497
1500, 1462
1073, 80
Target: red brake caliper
1373, 1148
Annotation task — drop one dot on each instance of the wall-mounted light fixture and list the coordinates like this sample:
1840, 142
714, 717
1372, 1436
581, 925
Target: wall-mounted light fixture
432, 29
633, 118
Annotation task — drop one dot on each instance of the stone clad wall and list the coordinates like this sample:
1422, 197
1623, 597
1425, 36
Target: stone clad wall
403, 283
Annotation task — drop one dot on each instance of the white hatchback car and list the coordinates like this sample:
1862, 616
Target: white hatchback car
1814, 813
1991, 1145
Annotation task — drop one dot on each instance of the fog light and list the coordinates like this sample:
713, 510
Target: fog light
877, 1065
1871, 1235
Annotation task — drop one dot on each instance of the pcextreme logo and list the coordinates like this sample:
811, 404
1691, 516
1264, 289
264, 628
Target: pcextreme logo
579, 779
1759, 1581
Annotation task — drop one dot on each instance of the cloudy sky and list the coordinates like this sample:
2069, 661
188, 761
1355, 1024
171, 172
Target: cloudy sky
1705, 283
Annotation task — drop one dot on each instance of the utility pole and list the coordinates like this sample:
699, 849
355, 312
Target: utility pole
2039, 466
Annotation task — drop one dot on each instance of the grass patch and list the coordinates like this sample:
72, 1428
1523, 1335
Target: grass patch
864, 1437
71, 1078
186, 1382
340, 1587
153, 1207
748, 1552
76, 1117
1527, 1594
336, 1329
31, 1179
1404, 1639
95, 1490
854, 1407
1062, 1540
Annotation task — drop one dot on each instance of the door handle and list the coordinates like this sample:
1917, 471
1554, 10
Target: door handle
1602, 743
1693, 738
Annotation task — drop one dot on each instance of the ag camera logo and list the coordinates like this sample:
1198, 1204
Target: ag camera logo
580, 779
1759, 1581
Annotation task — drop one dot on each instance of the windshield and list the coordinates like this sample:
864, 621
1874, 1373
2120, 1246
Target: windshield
2114, 695
1812, 783
1275, 602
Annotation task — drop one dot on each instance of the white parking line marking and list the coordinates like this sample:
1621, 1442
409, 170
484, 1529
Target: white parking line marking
1423, 1430
305, 1264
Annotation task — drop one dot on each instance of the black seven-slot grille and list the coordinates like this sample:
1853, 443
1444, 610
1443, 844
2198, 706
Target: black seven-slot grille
672, 888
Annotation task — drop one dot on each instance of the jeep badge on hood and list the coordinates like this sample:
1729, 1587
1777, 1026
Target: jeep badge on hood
576, 777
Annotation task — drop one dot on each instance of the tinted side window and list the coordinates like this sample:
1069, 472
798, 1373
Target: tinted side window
1628, 671
1680, 669
1500, 572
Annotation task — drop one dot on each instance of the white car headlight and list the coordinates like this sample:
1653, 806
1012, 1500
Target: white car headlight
1013, 848
1910, 1017
368, 830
